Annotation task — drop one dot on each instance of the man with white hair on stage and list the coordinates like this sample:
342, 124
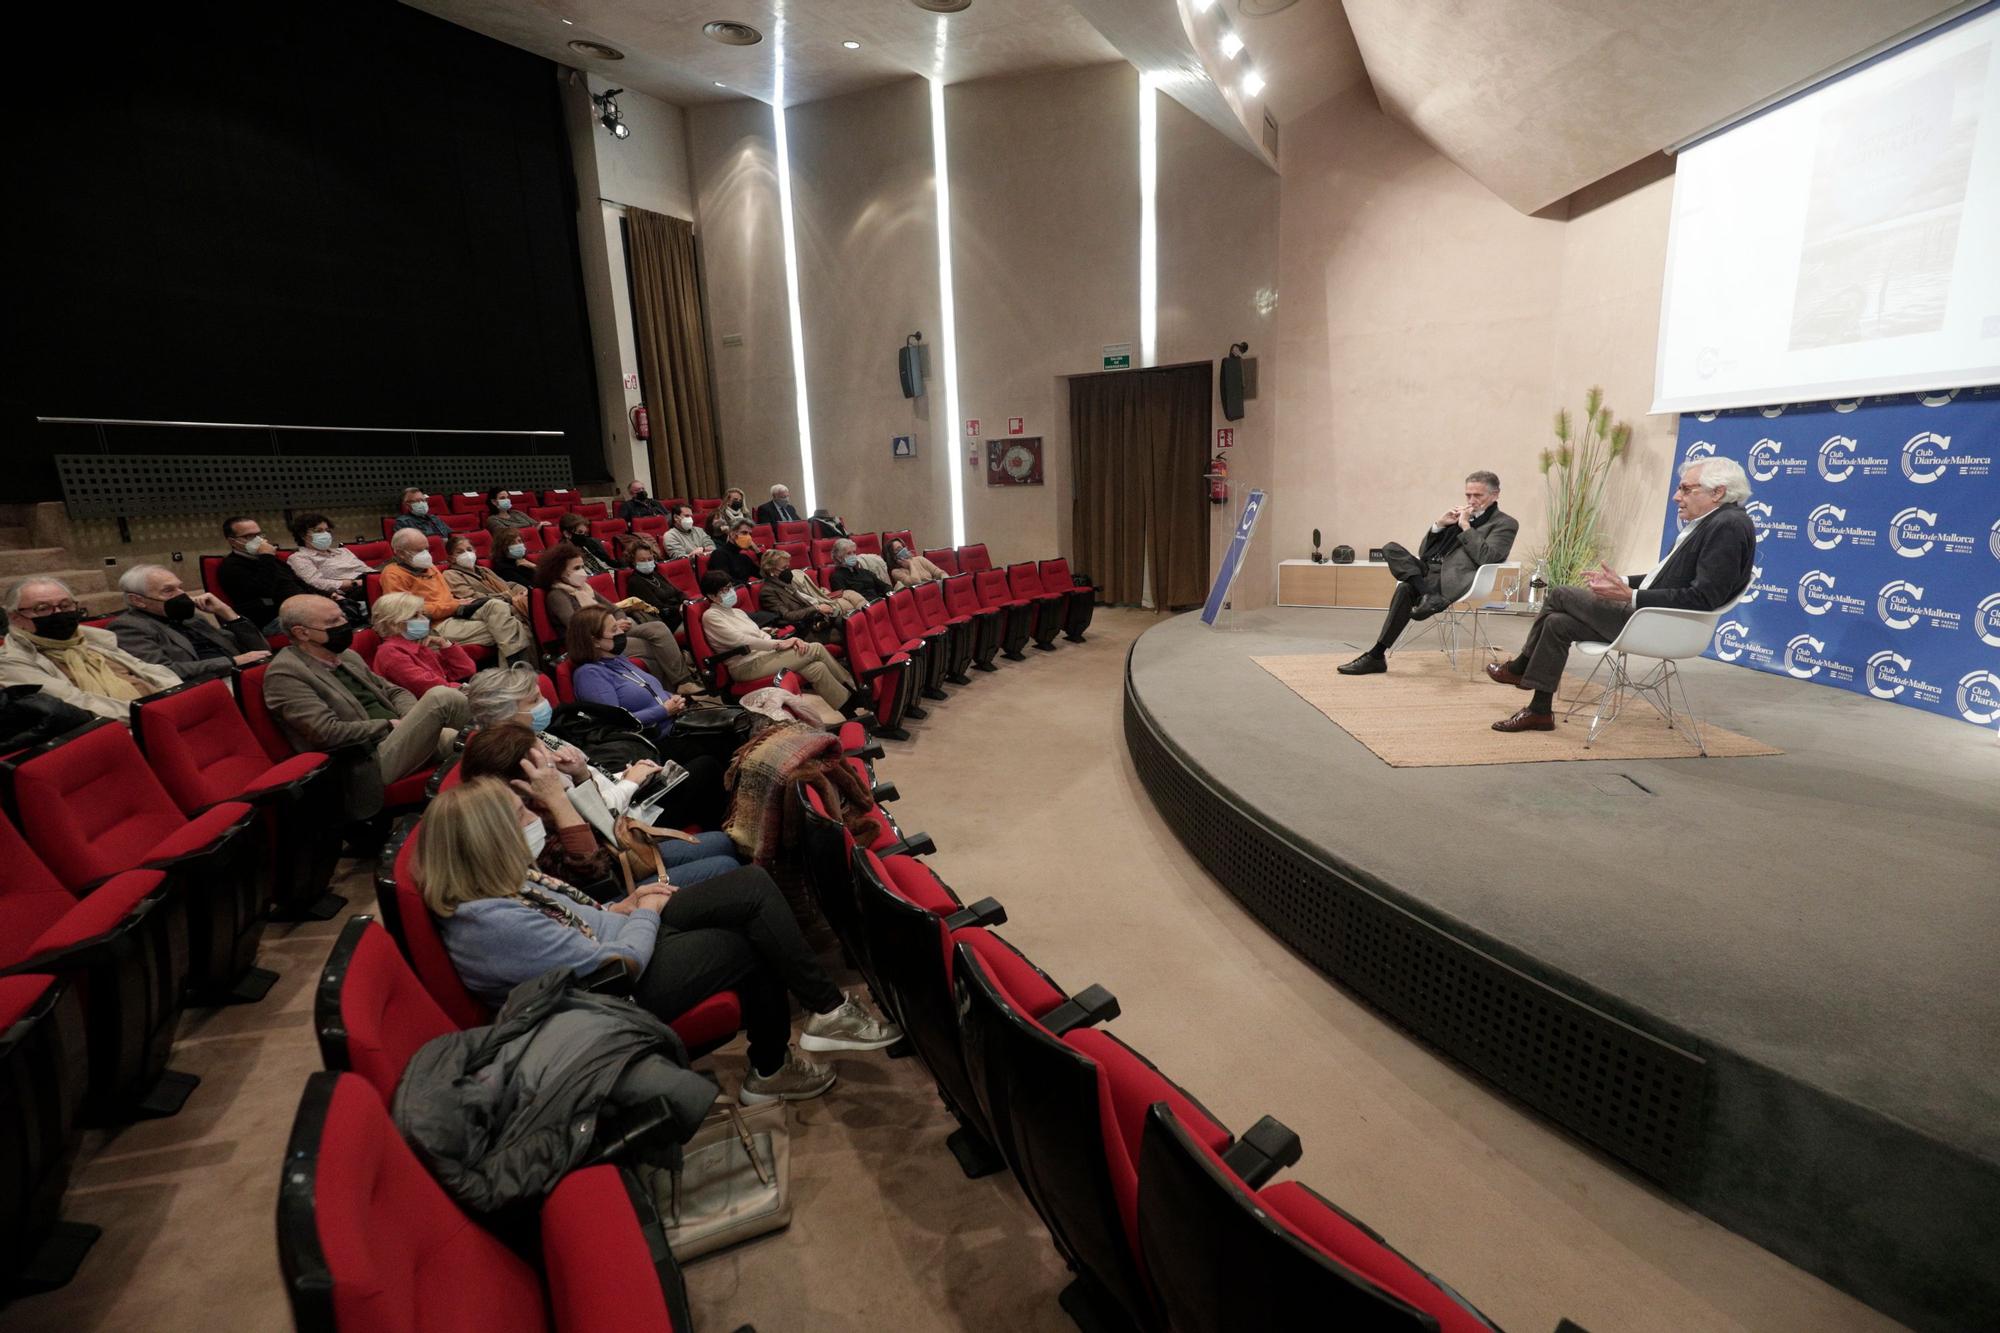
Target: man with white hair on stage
1708, 565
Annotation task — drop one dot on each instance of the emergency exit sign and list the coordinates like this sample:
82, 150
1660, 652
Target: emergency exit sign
1118, 356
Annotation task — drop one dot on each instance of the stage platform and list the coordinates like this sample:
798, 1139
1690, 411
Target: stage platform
1770, 984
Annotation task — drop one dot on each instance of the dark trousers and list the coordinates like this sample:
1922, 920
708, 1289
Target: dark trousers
698, 799
1413, 582
1572, 615
736, 932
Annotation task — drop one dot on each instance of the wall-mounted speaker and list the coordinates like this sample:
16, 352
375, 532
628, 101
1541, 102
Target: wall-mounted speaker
1232, 382
910, 367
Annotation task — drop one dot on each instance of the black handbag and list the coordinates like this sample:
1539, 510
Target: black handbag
716, 732
609, 736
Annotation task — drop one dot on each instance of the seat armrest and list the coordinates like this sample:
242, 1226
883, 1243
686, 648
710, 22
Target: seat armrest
885, 792
910, 844
1086, 1008
872, 750
1265, 1149
985, 912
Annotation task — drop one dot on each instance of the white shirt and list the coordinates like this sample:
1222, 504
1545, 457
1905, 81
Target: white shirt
1654, 573
730, 627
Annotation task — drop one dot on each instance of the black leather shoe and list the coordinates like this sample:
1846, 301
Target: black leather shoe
1365, 665
1428, 607
1527, 721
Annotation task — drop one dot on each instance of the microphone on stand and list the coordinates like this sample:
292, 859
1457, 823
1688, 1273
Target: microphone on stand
1317, 558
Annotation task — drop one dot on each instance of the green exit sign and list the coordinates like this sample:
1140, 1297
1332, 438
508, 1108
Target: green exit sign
1118, 356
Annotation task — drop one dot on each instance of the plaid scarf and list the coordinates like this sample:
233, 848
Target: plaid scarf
764, 815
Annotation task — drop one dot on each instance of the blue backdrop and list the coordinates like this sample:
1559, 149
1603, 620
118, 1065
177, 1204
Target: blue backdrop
1878, 546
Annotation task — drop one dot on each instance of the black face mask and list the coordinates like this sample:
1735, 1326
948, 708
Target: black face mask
639, 494
784, 576
58, 624
178, 607
339, 639
618, 645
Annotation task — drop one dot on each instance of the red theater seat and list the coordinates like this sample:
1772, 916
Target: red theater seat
961, 598
1025, 582
470, 502
368, 1240
909, 542
1018, 612
547, 513
945, 558
794, 532
595, 510
1080, 596
652, 525
882, 678
92, 809
958, 630
973, 559
400, 794
763, 534
373, 554
560, 499
41, 1092
868, 543
607, 529
371, 1013
460, 522
916, 628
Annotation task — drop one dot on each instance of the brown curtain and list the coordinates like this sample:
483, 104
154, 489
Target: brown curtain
673, 355
1141, 446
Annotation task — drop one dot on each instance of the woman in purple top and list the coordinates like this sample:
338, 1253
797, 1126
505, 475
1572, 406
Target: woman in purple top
600, 673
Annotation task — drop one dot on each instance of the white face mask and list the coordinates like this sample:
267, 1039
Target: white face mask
645, 566
256, 546
576, 578
420, 507
322, 541
729, 596
517, 550
421, 560
466, 559
537, 836
503, 504
686, 522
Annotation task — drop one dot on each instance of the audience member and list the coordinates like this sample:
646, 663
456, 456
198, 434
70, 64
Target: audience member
738, 556
638, 504
48, 645
565, 585
29, 715
575, 530
684, 540
256, 582
194, 635
827, 526
501, 512
510, 555
323, 563
1707, 567
601, 673
411, 656
778, 509
791, 595
734, 506
850, 575
324, 697
416, 515
753, 653
906, 567
646, 582
468, 579
488, 620
503, 922
569, 844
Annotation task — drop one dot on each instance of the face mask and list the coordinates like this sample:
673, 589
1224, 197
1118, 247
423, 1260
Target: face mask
729, 596
256, 546
421, 560
420, 508
735, 504
618, 645
503, 504
639, 494
58, 624
744, 541
645, 566
517, 550
686, 523
416, 631
466, 559
542, 715
783, 576
537, 837
321, 541
339, 639
851, 561
179, 607
576, 578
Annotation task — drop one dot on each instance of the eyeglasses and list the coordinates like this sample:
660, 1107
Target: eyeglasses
51, 608
1690, 487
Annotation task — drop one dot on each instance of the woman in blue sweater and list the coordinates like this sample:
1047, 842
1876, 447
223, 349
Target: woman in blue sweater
601, 673
503, 923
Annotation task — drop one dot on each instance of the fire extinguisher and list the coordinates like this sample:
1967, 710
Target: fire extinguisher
1218, 481
642, 425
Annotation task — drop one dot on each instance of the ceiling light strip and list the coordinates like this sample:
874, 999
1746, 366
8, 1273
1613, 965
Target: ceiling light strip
1149, 231
792, 305
947, 305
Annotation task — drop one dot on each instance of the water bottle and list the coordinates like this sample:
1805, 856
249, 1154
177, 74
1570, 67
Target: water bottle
1538, 586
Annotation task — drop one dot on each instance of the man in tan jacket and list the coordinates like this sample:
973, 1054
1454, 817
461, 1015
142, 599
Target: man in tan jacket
324, 697
49, 645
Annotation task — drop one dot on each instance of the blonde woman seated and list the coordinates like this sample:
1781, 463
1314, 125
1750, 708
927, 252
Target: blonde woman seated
794, 597
411, 657
503, 922
467, 579
906, 568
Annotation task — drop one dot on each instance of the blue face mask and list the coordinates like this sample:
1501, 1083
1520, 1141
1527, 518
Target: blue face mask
542, 716
503, 503
645, 566
417, 630
850, 560
321, 541
729, 596
420, 507
517, 550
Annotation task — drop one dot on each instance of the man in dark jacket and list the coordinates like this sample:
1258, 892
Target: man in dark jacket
1464, 537
850, 575
1708, 567
194, 635
638, 504
778, 509
257, 583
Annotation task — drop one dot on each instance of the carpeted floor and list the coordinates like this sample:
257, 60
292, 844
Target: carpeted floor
1024, 781
1428, 714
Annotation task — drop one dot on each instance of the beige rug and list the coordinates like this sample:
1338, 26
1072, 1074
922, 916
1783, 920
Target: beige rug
1423, 714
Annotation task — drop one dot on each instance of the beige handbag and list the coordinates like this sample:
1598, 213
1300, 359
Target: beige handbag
734, 1183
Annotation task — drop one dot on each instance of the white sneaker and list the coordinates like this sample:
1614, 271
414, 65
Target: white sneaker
797, 1080
848, 1028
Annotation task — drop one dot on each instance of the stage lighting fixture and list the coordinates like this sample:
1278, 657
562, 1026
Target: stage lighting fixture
1231, 44
1253, 83
608, 114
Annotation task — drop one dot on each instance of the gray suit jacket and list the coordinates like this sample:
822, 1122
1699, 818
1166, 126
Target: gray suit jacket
164, 643
316, 712
1455, 556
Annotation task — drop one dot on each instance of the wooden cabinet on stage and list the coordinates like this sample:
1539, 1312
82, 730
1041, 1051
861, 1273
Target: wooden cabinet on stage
1302, 583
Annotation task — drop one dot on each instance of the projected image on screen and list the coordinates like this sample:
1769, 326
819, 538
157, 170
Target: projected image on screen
1882, 220
1842, 243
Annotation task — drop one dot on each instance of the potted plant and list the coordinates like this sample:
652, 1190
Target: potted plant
1574, 472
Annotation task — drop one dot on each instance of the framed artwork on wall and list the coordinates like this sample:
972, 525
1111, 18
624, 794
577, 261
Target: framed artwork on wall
1014, 461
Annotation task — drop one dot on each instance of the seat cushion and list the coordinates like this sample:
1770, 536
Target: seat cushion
1032, 993
199, 833
711, 1023
1329, 1230
102, 910
600, 1268
283, 774
913, 880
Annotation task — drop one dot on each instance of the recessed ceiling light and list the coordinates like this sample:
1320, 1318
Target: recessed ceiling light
852, 46
943, 6
596, 50
1231, 45
1203, 6
1253, 83
720, 84
569, 23
731, 33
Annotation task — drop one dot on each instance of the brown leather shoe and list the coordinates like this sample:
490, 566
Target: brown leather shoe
1527, 721
1496, 672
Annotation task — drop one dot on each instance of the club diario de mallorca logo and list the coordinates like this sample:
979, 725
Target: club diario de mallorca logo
1762, 591
1978, 696
1900, 605
1913, 532
1827, 527
1697, 451
1887, 675
1817, 595
1838, 459
1986, 620
1767, 526
1732, 637
1927, 455
1767, 459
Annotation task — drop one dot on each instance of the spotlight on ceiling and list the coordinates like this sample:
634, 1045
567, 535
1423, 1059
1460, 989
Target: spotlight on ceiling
596, 50
1231, 44
1203, 6
1253, 83
852, 46
731, 33
608, 114
943, 6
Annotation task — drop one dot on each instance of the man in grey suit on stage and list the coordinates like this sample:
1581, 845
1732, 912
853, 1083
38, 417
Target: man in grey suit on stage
1464, 537
1708, 565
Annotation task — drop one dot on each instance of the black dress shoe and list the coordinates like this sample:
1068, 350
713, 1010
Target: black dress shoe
1365, 665
1496, 671
1428, 606
1527, 721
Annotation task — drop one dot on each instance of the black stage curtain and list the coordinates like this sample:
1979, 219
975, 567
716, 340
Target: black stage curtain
345, 213
1141, 447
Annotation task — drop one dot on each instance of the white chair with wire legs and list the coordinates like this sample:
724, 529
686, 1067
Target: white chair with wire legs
1459, 625
1664, 637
